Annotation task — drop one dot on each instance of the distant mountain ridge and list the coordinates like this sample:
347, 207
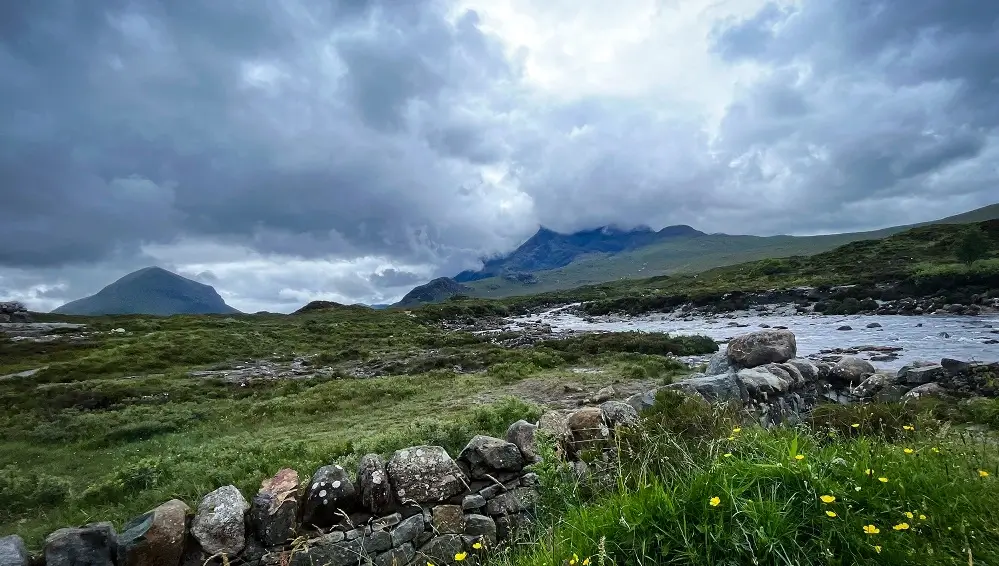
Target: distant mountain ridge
435, 291
152, 291
548, 249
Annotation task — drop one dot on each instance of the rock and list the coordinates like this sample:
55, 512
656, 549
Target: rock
523, 435
330, 550
759, 384
481, 526
220, 526
952, 366
373, 485
14, 553
424, 474
441, 549
587, 430
408, 529
792, 371
642, 401
553, 424
944, 335
331, 493
874, 325
719, 363
507, 526
448, 519
474, 501
923, 374
617, 413
93, 545
713, 388
925, 390
845, 327
809, 372
155, 538
762, 347
602, 395
376, 541
386, 522
530, 479
851, 370
514, 501
399, 556
274, 511
485, 455
870, 386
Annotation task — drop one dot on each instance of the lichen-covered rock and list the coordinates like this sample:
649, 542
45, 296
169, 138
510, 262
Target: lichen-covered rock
617, 413
586, 430
12, 551
485, 455
553, 424
923, 374
759, 384
925, 390
408, 529
473, 501
274, 511
523, 435
808, 370
712, 388
851, 370
399, 556
220, 523
424, 474
514, 501
92, 545
448, 519
481, 526
373, 485
330, 551
871, 386
719, 363
762, 347
156, 538
441, 549
331, 494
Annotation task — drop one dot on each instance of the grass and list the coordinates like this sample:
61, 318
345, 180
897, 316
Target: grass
693, 485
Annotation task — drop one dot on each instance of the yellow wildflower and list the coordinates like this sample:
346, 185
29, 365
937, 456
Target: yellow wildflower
883, 479
714, 501
868, 472
828, 498
871, 530
907, 450
461, 556
574, 560
983, 474
908, 514
935, 450
922, 517
430, 564
736, 430
901, 527
855, 425
727, 454
799, 457
586, 561
831, 513
477, 545
877, 548
731, 438
908, 427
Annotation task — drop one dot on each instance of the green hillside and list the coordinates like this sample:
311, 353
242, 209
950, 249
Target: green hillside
692, 255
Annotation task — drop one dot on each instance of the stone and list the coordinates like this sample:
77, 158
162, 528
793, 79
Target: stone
871, 386
758, 384
474, 501
481, 526
386, 522
373, 485
441, 549
851, 370
719, 363
587, 430
376, 541
797, 378
761, 347
95, 544
524, 435
952, 366
713, 388
845, 327
399, 556
331, 493
617, 413
507, 526
14, 553
274, 511
486, 455
514, 501
925, 390
553, 424
530, 479
328, 553
923, 374
602, 395
448, 519
642, 401
874, 325
220, 525
155, 538
408, 529
424, 474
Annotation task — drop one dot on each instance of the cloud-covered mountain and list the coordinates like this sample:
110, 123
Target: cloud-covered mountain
345, 150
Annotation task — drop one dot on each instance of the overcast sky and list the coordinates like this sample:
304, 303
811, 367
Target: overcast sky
291, 150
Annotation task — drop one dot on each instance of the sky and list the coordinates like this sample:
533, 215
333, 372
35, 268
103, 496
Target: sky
292, 150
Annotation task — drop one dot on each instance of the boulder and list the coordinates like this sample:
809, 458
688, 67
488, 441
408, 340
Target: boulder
758, 384
719, 363
925, 390
331, 494
95, 544
762, 347
486, 455
441, 549
514, 501
274, 511
642, 401
553, 424
586, 430
472, 502
373, 485
398, 556
953, 367
618, 413
523, 435
330, 550
14, 553
874, 325
871, 386
713, 388
808, 370
845, 327
481, 526
220, 525
851, 370
408, 529
448, 519
922, 374
792, 371
424, 474
156, 538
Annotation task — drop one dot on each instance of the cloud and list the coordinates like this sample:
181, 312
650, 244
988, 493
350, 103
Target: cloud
349, 149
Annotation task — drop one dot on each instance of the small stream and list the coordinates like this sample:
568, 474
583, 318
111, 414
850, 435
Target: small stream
929, 337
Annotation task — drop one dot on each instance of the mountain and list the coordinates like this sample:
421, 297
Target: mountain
438, 290
601, 255
154, 291
548, 249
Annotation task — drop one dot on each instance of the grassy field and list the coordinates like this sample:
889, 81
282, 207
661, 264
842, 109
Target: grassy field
114, 425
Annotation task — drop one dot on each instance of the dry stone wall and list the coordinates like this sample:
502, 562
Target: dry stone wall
13, 311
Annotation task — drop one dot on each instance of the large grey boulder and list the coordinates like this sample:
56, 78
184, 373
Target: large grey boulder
408, 529
514, 501
156, 538
851, 370
93, 545
808, 370
330, 496
719, 363
762, 347
274, 511
923, 374
373, 485
871, 386
925, 390
713, 388
586, 430
759, 384
424, 474
486, 455
618, 413
220, 523
441, 549
523, 434
14, 553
